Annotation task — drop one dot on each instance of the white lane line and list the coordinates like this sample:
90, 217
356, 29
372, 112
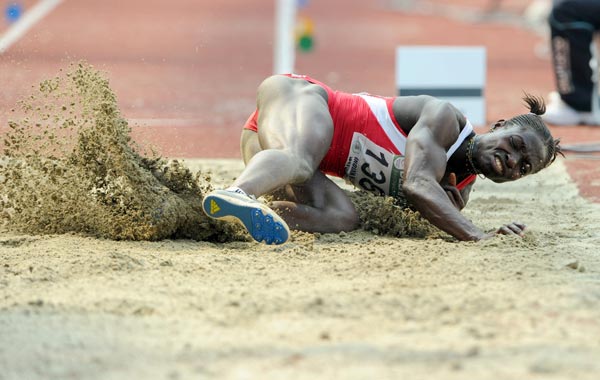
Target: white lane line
29, 19
581, 148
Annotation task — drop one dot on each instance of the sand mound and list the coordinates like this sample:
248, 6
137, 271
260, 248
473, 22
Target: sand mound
70, 166
386, 216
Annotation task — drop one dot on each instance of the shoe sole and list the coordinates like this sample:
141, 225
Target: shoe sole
262, 223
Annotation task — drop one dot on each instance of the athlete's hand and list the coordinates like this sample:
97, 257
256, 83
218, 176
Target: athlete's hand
453, 192
514, 228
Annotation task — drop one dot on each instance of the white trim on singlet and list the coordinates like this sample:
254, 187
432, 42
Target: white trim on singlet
466, 131
379, 108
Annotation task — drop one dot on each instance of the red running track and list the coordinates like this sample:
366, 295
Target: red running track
185, 71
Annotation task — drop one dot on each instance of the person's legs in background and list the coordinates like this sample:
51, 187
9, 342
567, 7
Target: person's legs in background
573, 24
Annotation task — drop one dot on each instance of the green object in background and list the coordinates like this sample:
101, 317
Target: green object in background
305, 43
304, 34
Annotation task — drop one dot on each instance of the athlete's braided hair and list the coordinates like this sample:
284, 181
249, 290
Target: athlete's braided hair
533, 120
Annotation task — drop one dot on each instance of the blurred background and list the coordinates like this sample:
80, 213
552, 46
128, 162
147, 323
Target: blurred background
186, 71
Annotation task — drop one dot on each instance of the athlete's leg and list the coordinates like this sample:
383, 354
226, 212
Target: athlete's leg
318, 205
294, 131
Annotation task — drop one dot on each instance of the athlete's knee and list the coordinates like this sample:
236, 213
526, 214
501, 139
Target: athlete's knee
303, 170
270, 84
347, 219
342, 215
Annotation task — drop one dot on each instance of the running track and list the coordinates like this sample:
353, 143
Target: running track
185, 71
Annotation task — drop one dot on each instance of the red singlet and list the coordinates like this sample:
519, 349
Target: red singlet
368, 143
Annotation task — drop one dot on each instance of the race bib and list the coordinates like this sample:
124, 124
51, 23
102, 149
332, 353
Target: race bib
373, 168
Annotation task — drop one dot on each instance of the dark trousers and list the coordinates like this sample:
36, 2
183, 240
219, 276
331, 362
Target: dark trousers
573, 24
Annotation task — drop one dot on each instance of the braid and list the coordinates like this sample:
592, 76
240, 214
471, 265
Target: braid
536, 104
533, 120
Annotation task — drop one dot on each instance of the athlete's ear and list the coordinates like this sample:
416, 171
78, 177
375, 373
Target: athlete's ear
499, 123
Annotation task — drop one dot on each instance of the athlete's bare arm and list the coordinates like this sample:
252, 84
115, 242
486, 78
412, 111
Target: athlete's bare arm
459, 198
425, 166
408, 110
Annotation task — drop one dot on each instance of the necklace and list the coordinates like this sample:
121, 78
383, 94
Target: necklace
470, 147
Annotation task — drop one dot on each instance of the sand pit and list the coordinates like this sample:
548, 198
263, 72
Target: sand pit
353, 306
89, 289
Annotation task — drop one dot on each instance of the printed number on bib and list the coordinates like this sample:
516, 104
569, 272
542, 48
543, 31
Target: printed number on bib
372, 168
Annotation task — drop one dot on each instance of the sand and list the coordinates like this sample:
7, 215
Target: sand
330, 306
108, 270
69, 164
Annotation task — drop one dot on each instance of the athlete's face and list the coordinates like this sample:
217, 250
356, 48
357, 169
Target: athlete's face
509, 152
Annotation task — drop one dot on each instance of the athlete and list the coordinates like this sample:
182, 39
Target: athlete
417, 147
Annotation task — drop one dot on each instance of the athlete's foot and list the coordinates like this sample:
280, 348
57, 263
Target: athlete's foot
262, 223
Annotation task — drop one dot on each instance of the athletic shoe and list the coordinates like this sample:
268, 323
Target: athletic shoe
560, 113
262, 223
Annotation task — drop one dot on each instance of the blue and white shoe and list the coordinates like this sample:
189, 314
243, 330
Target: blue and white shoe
262, 223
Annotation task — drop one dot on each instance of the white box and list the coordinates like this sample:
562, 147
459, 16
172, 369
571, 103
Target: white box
453, 73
